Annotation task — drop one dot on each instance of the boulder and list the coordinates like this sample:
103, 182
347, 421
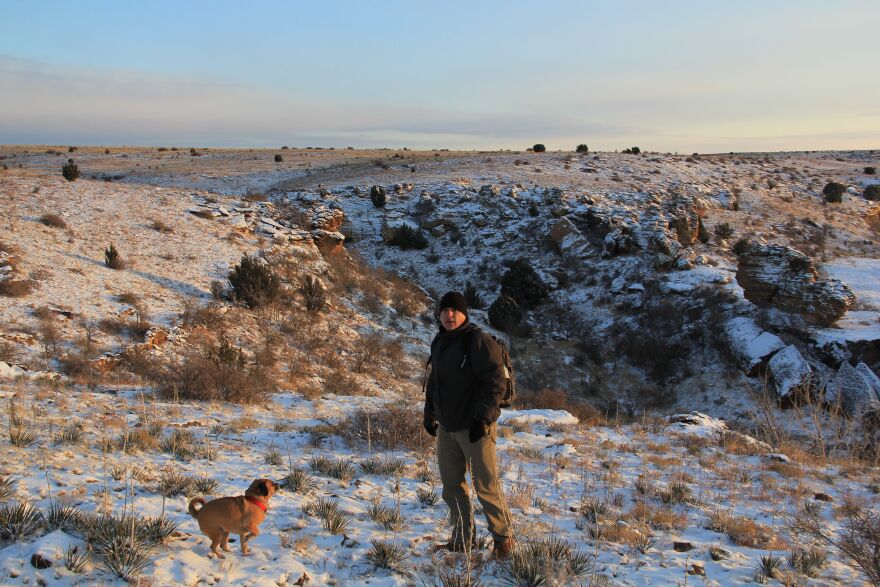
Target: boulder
749, 345
779, 276
569, 240
329, 219
489, 191
328, 242
855, 389
790, 372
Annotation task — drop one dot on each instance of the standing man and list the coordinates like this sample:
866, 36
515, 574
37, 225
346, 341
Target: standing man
462, 403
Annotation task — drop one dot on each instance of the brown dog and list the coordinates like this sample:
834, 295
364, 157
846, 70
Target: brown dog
240, 515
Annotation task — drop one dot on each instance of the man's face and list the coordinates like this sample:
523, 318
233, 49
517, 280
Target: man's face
451, 318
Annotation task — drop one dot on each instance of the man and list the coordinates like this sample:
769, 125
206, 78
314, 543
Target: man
462, 403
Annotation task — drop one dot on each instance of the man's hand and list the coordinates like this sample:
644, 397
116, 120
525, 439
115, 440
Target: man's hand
476, 431
430, 424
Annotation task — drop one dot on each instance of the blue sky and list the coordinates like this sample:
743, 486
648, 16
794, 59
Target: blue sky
671, 76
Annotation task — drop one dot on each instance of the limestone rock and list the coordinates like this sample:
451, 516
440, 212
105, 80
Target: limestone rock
855, 389
790, 371
775, 275
749, 345
568, 238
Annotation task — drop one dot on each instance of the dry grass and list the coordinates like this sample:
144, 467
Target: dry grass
16, 288
53, 221
743, 531
658, 518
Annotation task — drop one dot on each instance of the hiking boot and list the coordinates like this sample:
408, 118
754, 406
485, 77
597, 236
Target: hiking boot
503, 548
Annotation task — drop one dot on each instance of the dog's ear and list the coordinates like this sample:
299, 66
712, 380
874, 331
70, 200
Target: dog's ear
263, 487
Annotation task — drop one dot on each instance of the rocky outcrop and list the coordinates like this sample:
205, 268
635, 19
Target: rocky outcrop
750, 346
778, 276
790, 372
568, 239
855, 389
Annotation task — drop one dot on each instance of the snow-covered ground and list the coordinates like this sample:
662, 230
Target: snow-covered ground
556, 474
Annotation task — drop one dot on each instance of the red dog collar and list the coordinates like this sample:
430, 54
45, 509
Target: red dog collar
256, 502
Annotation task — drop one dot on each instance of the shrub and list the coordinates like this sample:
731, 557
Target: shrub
741, 246
635, 150
393, 427
533, 210
582, 148
278, 158
313, 293
871, 170
834, 192
53, 221
19, 521
387, 555
872, 193
112, 259
407, 237
253, 282
472, 296
539, 148
377, 196
724, 230
521, 283
507, 316
16, 288
70, 171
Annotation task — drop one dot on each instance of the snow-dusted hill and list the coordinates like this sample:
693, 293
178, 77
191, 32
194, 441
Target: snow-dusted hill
615, 240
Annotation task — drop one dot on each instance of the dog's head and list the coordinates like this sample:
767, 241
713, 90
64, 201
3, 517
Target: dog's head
262, 488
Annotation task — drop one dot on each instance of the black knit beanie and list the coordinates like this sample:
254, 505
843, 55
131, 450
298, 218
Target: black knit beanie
454, 300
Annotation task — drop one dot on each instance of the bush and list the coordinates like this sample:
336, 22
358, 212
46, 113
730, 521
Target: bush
278, 159
472, 296
70, 171
741, 246
313, 293
53, 221
507, 316
15, 288
253, 282
834, 192
209, 379
407, 237
871, 170
377, 196
582, 148
872, 193
724, 230
539, 148
112, 259
392, 427
521, 283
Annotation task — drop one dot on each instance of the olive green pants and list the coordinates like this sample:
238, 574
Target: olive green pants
455, 452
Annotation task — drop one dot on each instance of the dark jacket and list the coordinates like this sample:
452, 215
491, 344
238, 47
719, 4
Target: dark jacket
464, 384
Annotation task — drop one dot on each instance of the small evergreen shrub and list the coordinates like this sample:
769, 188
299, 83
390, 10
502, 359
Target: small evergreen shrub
539, 148
724, 230
313, 293
253, 282
278, 159
70, 171
741, 246
872, 193
112, 259
472, 296
533, 210
53, 221
407, 237
834, 192
582, 148
871, 170
521, 283
506, 315
377, 196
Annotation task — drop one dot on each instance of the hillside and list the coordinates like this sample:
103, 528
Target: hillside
641, 285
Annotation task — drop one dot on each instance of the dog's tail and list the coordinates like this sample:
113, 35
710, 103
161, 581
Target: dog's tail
192, 506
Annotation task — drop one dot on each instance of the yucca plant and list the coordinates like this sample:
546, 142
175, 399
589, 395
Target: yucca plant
388, 518
209, 453
205, 484
76, 558
273, 456
427, 496
160, 529
332, 518
22, 437
769, 566
298, 481
7, 487
125, 557
118, 472
71, 434
808, 561
341, 469
112, 258
171, 483
387, 555
179, 444
19, 521
62, 517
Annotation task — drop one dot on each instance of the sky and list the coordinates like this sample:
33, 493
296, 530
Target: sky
671, 76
